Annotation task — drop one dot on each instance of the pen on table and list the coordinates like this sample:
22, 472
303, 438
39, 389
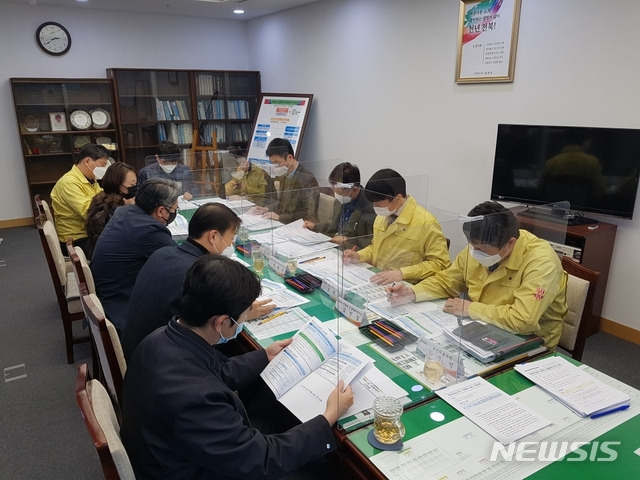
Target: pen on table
607, 412
382, 333
380, 336
314, 259
298, 283
268, 319
388, 329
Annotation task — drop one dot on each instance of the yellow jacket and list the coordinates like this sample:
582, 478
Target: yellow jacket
525, 294
70, 199
414, 243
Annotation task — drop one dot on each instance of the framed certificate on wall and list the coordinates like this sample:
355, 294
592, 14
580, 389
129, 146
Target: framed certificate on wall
58, 121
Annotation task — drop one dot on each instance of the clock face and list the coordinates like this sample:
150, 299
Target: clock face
53, 38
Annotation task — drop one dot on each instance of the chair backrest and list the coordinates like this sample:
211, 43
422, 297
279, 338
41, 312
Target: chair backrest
107, 343
101, 421
43, 208
581, 286
81, 269
326, 204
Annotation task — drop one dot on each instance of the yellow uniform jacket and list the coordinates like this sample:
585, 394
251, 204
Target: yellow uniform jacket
525, 294
414, 243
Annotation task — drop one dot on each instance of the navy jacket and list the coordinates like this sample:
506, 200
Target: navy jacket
125, 244
181, 174
182, 419
155, 298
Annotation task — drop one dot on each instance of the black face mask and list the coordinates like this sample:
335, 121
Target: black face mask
172, 217
131, 192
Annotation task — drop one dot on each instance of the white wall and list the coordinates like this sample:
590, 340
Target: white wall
100, 39
382, 73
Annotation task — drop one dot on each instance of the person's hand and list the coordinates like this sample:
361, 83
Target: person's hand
235, 198
187, 196
382, 278
350, 256
257, 210
271, 215
276, 347
399, 294
309, 225
457, 306
260, 308
338, 402
339, 239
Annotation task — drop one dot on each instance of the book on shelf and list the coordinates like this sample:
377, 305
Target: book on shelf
488, 342
303, 375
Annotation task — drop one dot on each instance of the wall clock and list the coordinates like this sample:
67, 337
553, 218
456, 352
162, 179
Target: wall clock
53, 38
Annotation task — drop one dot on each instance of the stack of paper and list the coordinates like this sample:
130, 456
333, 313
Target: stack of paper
574, 387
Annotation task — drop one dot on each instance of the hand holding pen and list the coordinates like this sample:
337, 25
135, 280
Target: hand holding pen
399, 294
351, 256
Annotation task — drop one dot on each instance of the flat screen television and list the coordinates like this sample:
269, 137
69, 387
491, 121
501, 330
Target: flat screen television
595, 169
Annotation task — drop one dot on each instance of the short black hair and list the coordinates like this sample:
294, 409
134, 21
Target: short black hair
497, 226
280, 147
213, 216
93, 151
216, 285
167, 148
157, 192
345, 173
385, 184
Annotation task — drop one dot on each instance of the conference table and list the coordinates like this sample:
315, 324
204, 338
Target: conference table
430, 459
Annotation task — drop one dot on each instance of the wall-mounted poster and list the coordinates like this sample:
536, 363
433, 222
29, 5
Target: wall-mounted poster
280, 115
487, 40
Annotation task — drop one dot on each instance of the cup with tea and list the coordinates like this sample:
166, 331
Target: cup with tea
257, 257
387, 427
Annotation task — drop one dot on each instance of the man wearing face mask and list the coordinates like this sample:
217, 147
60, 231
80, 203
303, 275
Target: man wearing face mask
353, 215
168, 165
132, 234
407, 243
155, 298
181, 417
298, 186
73, 192
509, 278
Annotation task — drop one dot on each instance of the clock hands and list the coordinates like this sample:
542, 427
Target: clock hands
54, 38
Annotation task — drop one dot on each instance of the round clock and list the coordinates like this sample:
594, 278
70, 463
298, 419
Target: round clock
53, 38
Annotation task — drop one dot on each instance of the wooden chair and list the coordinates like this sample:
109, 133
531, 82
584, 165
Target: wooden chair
43, 208
107, 343
581, 286
64, 284
199, 160
81, 269
101, 421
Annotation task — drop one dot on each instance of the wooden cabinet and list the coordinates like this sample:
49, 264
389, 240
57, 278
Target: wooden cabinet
596, 244
56, 117
157, 105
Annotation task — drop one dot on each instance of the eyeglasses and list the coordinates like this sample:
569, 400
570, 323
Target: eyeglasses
168, 209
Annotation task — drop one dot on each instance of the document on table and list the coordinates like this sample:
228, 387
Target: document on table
368, 387
581, 392
280, 295
382, 307
179, 227
256, 223
497, 413
278, 323
303, 375
295, 232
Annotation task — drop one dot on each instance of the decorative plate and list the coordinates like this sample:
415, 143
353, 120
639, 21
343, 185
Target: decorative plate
80, 141
31, 123
80, 119
100, 118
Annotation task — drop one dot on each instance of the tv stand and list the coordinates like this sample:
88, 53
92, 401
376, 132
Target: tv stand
557, 216
595, 243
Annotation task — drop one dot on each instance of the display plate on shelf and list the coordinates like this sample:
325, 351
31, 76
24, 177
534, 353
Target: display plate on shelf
31, 123
81, 140
100, 118
80, 119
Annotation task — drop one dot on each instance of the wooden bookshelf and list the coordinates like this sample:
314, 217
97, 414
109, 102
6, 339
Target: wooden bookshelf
45, 111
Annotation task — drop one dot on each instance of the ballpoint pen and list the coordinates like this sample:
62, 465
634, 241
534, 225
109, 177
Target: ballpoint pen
607, 412
314, 259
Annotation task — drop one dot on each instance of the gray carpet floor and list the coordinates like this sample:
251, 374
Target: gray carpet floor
42, 435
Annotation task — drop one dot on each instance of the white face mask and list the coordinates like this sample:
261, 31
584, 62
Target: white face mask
341, 199
382, 211
484, 258
99, 172
168, 168
280, 171
228, 250
238, 175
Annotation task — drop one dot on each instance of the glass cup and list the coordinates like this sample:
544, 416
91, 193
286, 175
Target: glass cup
433, 370
387, 427
292, 266
257, 257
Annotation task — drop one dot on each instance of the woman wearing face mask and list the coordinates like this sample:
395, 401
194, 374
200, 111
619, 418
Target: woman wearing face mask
119, 185
509, 278
252, 182
353, 216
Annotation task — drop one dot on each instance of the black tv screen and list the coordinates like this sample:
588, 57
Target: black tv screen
595, 169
